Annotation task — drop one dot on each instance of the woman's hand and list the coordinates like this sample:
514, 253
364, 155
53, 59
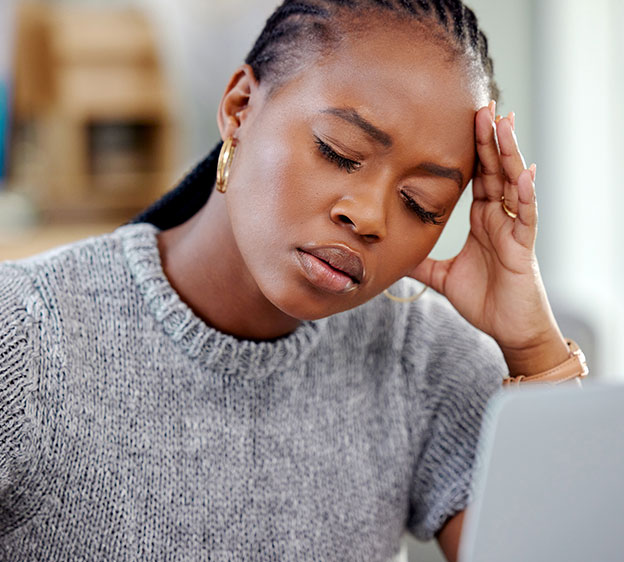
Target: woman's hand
494, 282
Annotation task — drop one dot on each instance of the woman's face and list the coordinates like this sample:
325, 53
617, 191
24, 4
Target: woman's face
344, 178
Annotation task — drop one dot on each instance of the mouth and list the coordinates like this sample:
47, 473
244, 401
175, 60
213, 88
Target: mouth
336, 269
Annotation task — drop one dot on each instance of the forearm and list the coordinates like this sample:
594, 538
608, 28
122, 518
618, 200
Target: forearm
449, 536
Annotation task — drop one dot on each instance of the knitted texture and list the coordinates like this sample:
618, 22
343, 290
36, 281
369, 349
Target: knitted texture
131, 430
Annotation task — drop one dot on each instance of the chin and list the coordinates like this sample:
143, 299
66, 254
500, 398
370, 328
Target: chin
297, 298
313, 305
307, 314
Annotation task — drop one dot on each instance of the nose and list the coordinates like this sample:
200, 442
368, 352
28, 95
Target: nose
365, 216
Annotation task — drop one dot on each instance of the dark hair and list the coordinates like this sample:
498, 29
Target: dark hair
300, 29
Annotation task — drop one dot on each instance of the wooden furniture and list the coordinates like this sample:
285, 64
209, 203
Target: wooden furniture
89, 83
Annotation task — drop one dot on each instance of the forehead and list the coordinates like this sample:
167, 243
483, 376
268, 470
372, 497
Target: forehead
405, 83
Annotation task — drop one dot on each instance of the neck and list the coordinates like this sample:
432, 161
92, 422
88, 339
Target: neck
203, 264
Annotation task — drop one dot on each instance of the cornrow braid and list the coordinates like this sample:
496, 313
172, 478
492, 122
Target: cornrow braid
296, 32
299, 29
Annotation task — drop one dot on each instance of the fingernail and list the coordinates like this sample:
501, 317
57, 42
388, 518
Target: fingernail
533, 170
512, 119
493, 109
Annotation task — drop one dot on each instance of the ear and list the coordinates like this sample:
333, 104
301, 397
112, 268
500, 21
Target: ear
242, 89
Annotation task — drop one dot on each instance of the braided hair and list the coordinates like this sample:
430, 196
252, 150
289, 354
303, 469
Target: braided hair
300, 30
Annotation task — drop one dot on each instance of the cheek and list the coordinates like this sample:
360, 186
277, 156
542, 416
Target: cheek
274, 194
408, 243
278, 184
259, 187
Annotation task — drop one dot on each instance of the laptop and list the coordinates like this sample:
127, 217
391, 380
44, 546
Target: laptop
549, 485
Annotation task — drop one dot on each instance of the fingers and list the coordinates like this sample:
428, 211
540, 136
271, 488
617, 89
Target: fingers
489, 172
500, 159
502, 176
512, 161
525, 225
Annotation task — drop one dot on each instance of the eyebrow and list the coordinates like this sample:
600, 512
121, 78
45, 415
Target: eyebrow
352, 116
443, 172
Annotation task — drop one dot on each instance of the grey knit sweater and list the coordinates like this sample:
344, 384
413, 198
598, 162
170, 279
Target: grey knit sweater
131, 430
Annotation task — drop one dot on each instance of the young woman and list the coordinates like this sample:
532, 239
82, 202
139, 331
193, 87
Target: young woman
224, 379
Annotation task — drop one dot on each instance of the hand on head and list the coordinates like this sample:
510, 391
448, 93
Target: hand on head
494, 282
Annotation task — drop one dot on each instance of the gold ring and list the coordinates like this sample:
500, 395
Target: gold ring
507, 210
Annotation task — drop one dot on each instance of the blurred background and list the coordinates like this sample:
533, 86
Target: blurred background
105, 104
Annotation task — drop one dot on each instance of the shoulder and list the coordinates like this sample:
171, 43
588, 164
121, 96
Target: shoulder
451, 370
91, 265
428, 331
437, 336
439, 353
105, 249
19, 298
21, 314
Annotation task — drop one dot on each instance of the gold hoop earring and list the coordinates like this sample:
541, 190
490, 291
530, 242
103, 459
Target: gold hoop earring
413, 298
226, 156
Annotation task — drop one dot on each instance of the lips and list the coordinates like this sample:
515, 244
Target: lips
335, 269
340, 258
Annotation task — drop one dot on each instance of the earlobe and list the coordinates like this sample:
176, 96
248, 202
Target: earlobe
237, 100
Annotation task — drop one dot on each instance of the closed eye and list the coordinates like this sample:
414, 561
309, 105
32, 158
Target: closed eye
351, 166
425, 216
331, 155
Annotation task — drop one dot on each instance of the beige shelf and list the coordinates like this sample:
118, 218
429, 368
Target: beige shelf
101, 71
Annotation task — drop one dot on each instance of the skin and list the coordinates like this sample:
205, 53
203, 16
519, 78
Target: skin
236, 262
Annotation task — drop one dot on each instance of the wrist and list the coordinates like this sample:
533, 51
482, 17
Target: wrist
574, 367
538, 356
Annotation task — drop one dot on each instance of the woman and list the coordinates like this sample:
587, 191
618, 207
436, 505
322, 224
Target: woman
228, 382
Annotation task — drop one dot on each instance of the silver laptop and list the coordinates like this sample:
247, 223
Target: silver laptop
550, 481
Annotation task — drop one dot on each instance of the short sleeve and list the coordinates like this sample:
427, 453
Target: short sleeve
454, 369
18, 325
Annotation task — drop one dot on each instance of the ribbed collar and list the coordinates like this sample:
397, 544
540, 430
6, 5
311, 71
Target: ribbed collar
218, 352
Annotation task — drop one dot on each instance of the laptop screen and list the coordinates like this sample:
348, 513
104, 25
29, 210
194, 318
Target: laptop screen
550, 480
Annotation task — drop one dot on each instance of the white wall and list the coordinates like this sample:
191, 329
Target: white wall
578, 123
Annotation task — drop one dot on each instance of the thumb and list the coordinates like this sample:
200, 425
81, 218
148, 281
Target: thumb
432, 273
